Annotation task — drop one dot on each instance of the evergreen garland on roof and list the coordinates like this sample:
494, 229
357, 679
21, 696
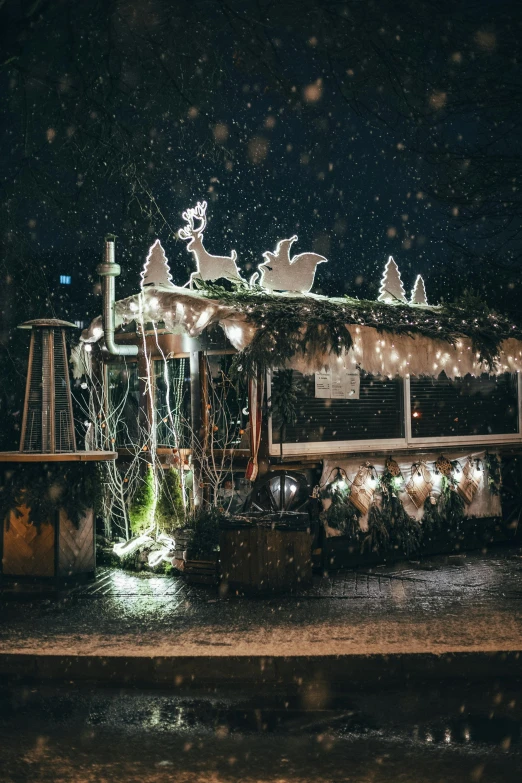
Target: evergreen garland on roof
287, 326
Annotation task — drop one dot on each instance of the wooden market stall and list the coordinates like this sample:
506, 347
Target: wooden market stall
394, 420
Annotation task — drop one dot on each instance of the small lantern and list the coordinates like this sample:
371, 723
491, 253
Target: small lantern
419, 485
392, 466
444, 466
340, 482
363, 487
470, 479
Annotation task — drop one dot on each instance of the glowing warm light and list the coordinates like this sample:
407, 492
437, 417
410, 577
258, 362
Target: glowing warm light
208, 267
235, 335
279, 272
392, 289
418, 293
156, 271
128, 547
203, 319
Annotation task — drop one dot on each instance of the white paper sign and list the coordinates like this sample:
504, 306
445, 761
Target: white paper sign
323, 384
342, 385
338, 387
352, 385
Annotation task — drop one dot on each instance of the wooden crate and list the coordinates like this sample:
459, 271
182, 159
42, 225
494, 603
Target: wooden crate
204, 572
55, 549
261, 559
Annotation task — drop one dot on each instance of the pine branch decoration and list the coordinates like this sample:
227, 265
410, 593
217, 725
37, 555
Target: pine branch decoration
292, 326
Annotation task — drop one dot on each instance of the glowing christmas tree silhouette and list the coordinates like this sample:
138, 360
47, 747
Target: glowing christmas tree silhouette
156, 270
418, 293
392, 289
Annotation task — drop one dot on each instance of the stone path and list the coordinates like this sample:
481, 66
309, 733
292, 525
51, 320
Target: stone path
468, 576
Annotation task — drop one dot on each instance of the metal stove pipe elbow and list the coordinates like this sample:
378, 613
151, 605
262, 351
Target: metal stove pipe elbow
108, 270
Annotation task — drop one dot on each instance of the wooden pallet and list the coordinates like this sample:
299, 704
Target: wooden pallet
204, 572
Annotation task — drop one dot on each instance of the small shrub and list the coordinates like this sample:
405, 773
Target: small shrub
170, 511
342, 515
142, 504
205, 539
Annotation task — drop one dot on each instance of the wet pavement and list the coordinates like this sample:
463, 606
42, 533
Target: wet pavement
427, 734
327, 704
469, 603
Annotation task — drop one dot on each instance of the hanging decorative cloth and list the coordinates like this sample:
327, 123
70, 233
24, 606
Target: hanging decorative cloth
363, 487
255, 397
469, 480
419, 485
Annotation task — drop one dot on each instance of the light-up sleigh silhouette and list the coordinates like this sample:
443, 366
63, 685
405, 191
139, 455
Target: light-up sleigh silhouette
279, 272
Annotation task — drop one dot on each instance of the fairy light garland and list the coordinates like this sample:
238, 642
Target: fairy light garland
418, 487
149, 390
173, 417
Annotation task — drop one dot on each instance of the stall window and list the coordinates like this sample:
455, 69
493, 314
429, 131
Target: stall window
228, 400
329, 409
172, 402
124, 401
484, 405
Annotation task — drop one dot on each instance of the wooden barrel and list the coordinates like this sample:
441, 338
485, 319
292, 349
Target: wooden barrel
262, 559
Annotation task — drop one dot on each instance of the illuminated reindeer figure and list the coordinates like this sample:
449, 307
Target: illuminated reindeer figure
279, 272
208, 267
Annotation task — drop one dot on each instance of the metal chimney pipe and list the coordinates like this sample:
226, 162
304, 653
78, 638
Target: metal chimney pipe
108, 270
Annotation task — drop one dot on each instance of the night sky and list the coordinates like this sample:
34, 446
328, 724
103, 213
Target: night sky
367, 128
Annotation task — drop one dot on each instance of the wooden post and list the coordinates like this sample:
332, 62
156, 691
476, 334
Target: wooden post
196, 420
56, 523
69, 396
205, 431
144, 409
27, 387
263, 455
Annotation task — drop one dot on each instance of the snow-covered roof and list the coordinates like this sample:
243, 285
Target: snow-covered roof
384, 339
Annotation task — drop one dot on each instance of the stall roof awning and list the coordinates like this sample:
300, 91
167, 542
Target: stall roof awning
310, 332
